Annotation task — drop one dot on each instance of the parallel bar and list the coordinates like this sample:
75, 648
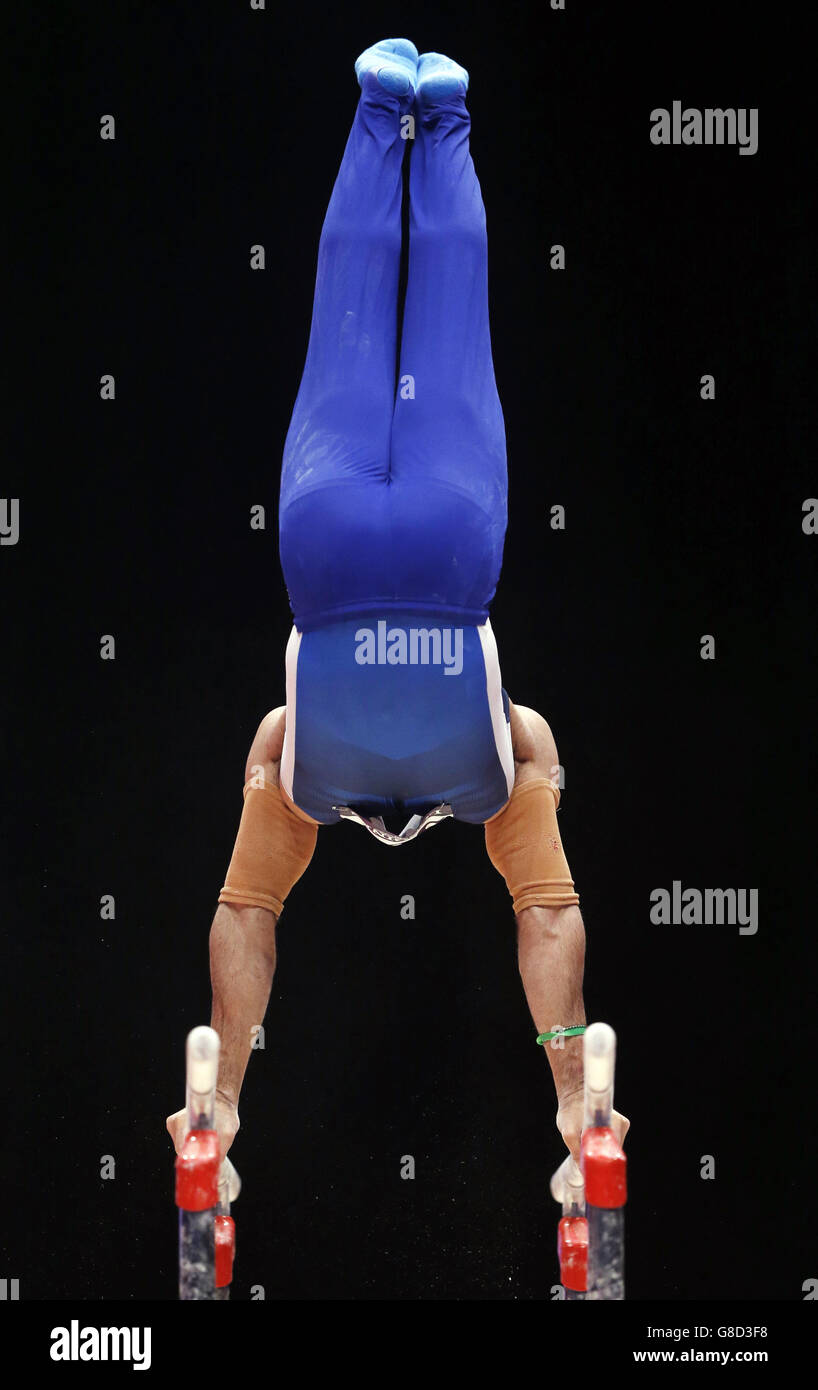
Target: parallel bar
197, 1255
568, 1188
606, 1254
204, 1190
201, 1074
591, 1233
604, 1170
225, 1230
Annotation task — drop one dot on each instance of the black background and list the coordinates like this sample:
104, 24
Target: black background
387, 1037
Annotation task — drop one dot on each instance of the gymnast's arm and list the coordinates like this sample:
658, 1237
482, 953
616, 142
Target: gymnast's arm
273, 847
550, 936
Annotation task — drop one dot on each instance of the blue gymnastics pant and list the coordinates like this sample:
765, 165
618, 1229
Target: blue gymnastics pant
397, 499
393, 486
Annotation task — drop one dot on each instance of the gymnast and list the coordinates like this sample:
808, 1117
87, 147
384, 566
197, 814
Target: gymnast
392, 520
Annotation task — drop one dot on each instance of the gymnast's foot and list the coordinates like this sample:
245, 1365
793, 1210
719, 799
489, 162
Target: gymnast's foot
438, 78
394, 62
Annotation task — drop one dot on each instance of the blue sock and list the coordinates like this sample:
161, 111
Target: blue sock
439, 77
394, 61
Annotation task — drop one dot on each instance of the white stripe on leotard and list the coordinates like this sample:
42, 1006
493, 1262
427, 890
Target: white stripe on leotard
494, 691
287, 767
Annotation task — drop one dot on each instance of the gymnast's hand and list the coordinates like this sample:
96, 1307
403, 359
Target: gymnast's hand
570, 1116
226, 1124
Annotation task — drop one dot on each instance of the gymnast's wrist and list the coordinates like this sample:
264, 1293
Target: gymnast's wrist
567, 1071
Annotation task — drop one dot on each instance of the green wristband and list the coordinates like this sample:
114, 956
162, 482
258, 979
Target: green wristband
575, 1031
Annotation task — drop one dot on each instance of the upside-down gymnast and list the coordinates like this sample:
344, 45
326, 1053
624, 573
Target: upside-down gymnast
392, 519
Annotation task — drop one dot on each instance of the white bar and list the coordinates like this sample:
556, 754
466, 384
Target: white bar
568, 1187
202, 1059
599, 1060
202, 1070
229, 1185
